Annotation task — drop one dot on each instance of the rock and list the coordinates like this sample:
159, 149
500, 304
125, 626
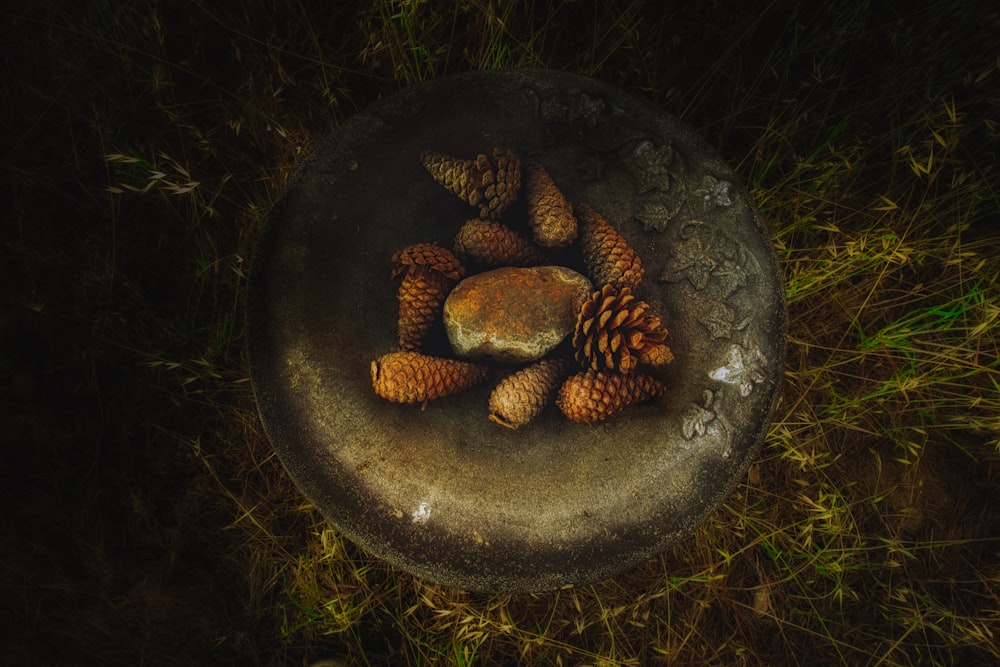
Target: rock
514, 314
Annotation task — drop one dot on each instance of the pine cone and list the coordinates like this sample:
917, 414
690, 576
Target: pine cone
615, 331
465, 178
656, 355
519, 397
411, 377
506, 184
592, 396
496, 244
492, 185
429, 272
421, 297
429, 255
549, 212
608, 257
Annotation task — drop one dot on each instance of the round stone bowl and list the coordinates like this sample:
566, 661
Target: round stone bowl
439, 490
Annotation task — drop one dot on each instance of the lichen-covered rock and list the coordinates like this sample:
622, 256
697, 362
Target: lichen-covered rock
514, 314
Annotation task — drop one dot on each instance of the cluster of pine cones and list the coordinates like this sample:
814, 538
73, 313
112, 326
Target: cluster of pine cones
615, 337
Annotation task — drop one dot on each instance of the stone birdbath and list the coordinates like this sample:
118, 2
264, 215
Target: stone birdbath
437, 489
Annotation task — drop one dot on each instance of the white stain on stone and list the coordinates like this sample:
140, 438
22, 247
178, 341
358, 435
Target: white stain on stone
422, 514
743, 368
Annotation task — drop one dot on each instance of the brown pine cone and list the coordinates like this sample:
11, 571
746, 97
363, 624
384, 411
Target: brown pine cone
608, 256
429, 272
496, 244
465, 178
506, 183
490, 184
411, 377
422, 294
656, 355
592, 396
615, 331
519, 397
428, 255
549, 212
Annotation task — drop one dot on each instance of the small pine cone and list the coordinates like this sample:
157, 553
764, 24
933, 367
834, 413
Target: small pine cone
429, 272
519, 397
506, 184
496, 244
592, 396
429, 255
421, 298
615, 331
411, 377
609, 258
465, 178
489, 184
549, 212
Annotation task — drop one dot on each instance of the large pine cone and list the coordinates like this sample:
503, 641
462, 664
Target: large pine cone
592, 396
411, 377
608, 256
496, 244
549, 212
615, 331
490, 184
519, 397
429, 272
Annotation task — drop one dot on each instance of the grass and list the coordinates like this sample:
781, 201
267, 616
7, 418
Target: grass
151, 522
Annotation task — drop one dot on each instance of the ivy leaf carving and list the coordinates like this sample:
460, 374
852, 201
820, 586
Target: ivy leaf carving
697, 418
690, 259
713, 191
743, 369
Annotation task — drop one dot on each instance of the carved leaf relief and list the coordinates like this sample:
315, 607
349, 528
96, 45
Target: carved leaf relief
690, 258
743, 368
713, 191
